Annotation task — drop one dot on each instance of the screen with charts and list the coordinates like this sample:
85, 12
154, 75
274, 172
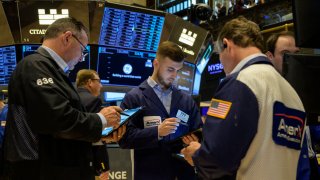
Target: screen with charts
8, 62
124, 67
131, 27
129, 39
185, 77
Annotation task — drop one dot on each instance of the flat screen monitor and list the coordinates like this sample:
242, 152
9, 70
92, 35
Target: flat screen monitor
211, 77
302, 71
185, 77
124, 67
306, 17
8, 62
113, 96
131, 27
203, 61
28, 49
189, 37
129, 39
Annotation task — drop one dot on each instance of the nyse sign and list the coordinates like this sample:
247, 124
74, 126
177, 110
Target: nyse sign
120, 163
118, 175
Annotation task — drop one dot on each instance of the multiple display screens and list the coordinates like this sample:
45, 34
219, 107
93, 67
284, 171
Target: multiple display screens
130, 38
128, 41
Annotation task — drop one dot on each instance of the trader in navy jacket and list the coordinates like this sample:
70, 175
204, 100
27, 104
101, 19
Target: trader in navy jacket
165, 110
255, 124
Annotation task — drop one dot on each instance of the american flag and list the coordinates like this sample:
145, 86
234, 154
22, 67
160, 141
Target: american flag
219, 108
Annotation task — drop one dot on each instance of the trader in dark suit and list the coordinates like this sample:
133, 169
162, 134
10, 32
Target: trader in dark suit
89, 87
48, 135
151, 132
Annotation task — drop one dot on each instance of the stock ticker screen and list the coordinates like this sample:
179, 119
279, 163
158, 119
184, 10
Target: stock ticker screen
8, 62
129, 38
123, 27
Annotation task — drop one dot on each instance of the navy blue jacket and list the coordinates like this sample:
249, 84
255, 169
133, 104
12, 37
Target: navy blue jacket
153, 157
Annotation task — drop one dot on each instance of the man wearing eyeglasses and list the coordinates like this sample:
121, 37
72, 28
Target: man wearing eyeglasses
89, 87
48, 133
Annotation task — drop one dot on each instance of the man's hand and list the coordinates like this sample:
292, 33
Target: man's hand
104, 175
189, 138
112, 115
189, 151
116, 135
168, 126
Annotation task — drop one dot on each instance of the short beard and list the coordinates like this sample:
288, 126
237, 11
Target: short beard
162, 82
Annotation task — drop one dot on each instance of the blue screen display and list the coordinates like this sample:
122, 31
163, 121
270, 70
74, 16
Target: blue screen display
129, 39
129, 28
29, 49
8, 62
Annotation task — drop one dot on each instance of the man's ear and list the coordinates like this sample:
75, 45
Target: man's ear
270, 55
155, 63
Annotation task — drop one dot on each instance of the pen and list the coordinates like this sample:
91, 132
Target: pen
102, 165
125, 114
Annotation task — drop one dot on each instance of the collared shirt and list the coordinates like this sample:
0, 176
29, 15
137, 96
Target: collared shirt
164, 95
61, 63
245, 60
64, 66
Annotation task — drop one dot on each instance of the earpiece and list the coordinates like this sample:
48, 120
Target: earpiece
225, 46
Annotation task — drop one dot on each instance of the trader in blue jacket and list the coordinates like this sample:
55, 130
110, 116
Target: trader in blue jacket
255, 124
168, 113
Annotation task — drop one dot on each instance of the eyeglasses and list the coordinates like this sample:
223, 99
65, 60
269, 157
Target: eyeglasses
83, 49
99, 80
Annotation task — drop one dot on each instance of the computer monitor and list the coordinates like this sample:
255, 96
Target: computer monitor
28, 49
129, 27
302, 71
203, 61
211, 77
185, 77
8, 62
129, 39
113, 96
306, 17
121, 67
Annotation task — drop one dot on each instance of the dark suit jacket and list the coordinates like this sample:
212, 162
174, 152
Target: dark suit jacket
93, 104
46, 121
153, 157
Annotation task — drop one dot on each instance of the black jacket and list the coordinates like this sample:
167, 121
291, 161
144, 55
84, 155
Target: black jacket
100, 153
46, 120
